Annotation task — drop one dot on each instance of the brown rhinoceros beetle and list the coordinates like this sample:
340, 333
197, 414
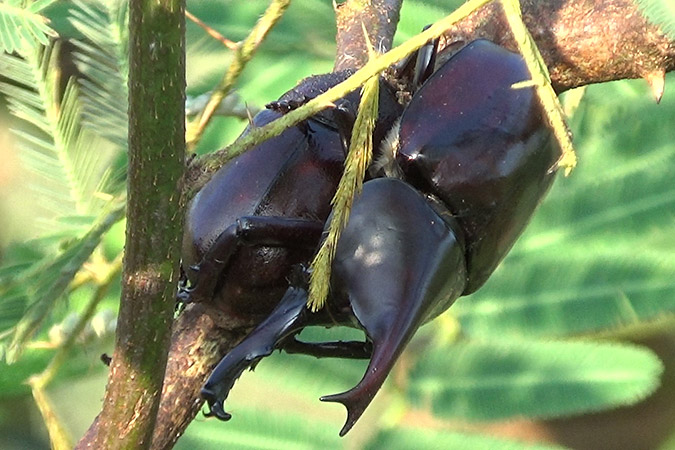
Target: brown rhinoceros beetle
399, 262
265, 210
470, 162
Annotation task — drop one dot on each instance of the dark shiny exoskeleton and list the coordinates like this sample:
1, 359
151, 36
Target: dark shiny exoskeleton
480, 145
469, 163
265, 210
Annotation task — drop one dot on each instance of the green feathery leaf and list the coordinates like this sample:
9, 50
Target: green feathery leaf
356, 163
48, 279
67, 165
23, 24
102, 58
67, 173
488, 381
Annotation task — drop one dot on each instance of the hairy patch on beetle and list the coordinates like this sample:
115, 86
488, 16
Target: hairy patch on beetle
386, 163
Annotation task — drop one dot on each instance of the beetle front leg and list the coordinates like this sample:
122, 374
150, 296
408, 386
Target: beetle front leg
202, 278
425, 61
285, 106
279, 231
287, 318
272, 231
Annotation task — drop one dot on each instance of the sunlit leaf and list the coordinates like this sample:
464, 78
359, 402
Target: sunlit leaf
486, 381
21, 25
406, 437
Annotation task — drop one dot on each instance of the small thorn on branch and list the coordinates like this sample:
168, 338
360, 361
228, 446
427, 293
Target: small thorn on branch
657, 83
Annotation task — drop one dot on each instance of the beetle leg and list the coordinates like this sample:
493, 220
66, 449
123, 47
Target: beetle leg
400, 262
274, 231
284, 106
279, 231
339, 118
418, 65
204, 276
344, 121
425, 62
339, 349
287, 318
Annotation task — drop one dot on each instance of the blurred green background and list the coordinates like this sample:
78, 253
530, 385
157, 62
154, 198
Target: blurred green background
595, 269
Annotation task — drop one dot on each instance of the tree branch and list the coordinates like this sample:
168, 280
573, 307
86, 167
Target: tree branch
154, 226
378, 17
582, 41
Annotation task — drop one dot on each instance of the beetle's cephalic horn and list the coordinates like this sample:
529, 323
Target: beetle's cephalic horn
399, 262
385, 353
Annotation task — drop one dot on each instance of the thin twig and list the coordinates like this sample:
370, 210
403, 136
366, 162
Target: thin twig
357, 161
211, 32
58, 435
59, 438
242, 55
542, 83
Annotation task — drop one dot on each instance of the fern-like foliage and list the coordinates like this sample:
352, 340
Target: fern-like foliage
660, 12
55, 149
45, 281
19, 24
68, 143
102, 58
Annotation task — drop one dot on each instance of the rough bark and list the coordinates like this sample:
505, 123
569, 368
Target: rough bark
154, 224
201, 336
378, 17
582, 41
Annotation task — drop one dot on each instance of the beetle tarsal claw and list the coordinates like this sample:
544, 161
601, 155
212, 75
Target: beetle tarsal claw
216, 407
183, 295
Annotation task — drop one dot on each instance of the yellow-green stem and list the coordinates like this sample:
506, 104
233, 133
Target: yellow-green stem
59, 438
542, 82
242, 55
58, 435
357, 161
